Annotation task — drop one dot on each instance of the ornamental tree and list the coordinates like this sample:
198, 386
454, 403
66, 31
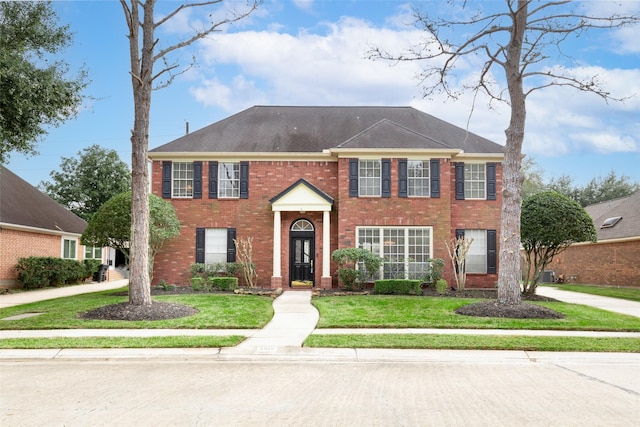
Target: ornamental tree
550, 223
111, 225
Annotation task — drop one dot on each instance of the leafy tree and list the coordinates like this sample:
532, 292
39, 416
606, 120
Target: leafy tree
597, 190
532, 177
35, 91
85, 183
550, 222
145, 50
518, 42
111, 225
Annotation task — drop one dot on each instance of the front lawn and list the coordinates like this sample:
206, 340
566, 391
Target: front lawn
215, 311
379, 311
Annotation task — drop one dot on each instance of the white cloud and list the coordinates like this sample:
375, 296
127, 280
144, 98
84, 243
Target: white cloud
303, 4
607, 141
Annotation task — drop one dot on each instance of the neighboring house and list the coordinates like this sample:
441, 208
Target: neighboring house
33, 224
613, 260
304, 181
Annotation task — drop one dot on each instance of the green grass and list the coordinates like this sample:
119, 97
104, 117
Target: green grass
378, 311
214, 312
475, 342
123, 342
631, 294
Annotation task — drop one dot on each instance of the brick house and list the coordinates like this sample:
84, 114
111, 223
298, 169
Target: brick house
304, 181
613, 259
33, 224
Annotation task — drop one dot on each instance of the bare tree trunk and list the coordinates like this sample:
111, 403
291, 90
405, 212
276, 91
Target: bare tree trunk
509, 275
141, 79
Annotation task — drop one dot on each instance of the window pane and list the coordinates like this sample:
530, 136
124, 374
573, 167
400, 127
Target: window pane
182, 179
369, 178
229, 180
477, 256
474, 181
215, 245
418, 178
69, 249
419, 250
394, 253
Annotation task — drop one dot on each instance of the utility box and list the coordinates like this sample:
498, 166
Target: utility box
548, 276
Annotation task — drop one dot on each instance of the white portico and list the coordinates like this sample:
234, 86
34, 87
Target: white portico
301, 197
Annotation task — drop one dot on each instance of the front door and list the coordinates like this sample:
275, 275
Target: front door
302, 251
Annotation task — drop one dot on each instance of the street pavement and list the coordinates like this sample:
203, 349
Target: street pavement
271, 380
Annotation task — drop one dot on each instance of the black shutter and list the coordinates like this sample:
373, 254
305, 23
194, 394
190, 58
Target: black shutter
459, 181
434, 173
386, 177
231, 245
244, 181
197, 180
491, 252
402, 178
353, 177
491, 181
213, 180
166, 180
200, 245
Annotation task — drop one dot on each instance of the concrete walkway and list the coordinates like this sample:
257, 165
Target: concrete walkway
293, 321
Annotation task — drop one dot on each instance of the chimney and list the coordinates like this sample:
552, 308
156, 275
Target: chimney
187, 128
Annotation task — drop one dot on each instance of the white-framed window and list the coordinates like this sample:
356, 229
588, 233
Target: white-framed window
182, 179
229, 180
476, 261
69, 246
92, 252
405, 250
369, 178
475, 181
418, 178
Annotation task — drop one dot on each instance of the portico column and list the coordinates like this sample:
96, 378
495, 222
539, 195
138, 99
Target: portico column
326, 250
276, 279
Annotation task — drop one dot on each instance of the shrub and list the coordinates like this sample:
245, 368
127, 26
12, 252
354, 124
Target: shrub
397, 287
224, 283
434, 272
441, 286
198, 284
40, 272
348, 258
91, 266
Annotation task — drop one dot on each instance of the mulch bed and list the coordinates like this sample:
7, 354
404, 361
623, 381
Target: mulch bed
163, 310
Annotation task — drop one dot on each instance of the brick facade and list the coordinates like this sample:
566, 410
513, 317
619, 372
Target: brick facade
613, 263
253, 217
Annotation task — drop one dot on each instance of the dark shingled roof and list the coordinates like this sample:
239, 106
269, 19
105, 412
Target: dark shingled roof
626, 207
272, 129
23, 204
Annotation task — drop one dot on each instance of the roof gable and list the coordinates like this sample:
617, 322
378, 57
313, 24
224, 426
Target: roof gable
387, 134
21, 204
293, 129
302, 196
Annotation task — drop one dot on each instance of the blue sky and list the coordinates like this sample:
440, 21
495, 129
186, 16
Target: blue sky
312, 52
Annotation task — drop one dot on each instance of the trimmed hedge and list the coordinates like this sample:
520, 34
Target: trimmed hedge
224, 283
40, 272
397, 287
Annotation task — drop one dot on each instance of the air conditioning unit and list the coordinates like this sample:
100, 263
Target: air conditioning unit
548, 276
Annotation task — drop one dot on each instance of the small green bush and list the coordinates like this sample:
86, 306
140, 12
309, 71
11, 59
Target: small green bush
397, 287
442, 286
198, 284
224, 283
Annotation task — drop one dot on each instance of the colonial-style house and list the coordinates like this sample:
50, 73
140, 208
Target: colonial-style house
304, 181
613, 259
33, 224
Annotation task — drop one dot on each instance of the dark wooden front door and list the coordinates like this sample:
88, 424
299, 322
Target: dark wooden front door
302, 256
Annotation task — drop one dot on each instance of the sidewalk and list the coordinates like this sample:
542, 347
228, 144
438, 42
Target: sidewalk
293, 321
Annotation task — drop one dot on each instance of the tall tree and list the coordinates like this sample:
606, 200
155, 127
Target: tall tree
597, 190
85, 183
516, 42
36, 90
145, 50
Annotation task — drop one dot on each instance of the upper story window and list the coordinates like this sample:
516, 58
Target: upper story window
418, 178
476, 181
182, 180
229, 180
369, 178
